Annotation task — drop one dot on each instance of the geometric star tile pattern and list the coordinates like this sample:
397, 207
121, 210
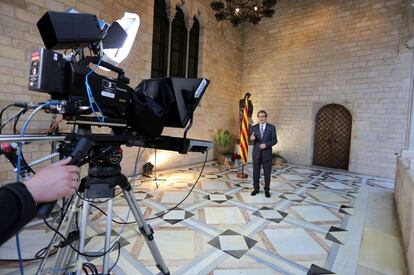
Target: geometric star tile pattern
218, 197
233, 243
270, 214
335, 185
337, 235
317, 270
292, 177
174, 216
292, 197
301, 229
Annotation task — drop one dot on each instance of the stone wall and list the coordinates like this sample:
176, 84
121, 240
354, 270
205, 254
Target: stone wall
219, 60
404, 199
313, 53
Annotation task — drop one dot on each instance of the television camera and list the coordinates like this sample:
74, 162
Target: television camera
136, 116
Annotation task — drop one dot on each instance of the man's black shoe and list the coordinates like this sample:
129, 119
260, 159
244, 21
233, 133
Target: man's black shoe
267, 194
254, 193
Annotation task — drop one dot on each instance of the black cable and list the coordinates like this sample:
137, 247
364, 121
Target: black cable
1, 114
117, 258
48, 247
169, 210
172, 208
65, 240
188, 194
16, 120
92, 268
75, 249
85, 270
10, 119
117, 222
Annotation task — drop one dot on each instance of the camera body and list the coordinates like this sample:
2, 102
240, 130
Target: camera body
64, 80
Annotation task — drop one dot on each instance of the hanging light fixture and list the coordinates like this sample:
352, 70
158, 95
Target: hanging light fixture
238, 11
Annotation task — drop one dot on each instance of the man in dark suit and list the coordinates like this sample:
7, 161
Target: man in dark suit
264, 136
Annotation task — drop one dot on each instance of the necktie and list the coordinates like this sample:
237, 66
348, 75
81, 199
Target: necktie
261, 130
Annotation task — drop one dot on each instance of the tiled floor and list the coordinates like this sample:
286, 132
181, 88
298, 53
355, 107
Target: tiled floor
316, 222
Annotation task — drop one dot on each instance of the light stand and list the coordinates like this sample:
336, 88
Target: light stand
155, 179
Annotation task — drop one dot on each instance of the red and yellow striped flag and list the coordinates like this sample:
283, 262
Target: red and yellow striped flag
244, 133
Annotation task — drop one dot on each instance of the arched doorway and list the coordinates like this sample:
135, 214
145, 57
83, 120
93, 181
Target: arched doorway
332, 139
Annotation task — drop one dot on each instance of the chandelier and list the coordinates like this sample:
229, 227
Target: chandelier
238, 11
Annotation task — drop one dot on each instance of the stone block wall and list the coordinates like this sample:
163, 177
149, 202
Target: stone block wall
404, 200
219, 60
312, 53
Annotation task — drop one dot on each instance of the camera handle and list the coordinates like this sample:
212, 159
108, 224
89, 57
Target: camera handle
121, 74
80, 151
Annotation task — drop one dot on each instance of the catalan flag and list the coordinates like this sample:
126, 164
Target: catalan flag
244, 133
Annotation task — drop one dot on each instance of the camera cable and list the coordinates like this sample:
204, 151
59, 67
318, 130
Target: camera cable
169, 210
19, 160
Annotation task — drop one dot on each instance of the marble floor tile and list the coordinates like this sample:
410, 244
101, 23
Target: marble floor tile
123, 212
303, 170
249, 271
381, 252
175, 215
336, 185
315, 213
292, 177
233, 243
293, 242
342, 177
258, 199
314, 219
207, 184
223, 215
182, 176
168, 242
175, 197
327, 196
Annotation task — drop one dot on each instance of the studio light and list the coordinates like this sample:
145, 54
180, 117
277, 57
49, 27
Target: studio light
147, 169
130, 24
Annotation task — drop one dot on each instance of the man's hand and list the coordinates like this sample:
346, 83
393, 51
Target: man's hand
262, 146
252, 137
54, 181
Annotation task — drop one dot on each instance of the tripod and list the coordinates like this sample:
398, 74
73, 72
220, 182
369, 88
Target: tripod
104, 175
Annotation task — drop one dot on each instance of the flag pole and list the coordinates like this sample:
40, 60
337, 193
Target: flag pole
244, 138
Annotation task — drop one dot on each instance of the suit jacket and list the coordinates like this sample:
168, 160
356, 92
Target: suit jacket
269, 138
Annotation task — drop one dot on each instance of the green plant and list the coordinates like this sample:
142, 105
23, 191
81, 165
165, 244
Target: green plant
223, 140
278, 159
276, 154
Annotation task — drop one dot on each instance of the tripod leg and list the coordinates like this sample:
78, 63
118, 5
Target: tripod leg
146, 231
82, 233
63, 257
108, 230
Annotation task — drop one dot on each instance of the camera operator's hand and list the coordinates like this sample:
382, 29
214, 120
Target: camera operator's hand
54, 181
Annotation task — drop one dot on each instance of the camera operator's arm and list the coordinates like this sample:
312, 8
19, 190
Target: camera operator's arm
18, 201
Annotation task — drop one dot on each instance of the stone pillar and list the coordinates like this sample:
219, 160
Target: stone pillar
188, 25
171, 15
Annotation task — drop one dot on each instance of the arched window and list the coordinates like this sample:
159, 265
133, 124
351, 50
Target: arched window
178, 45
193, 49
182, 61
160, 41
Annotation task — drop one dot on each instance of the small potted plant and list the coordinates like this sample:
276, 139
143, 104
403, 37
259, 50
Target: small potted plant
278, 160
223, 140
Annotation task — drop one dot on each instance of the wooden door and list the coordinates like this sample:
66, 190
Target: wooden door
332, 140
